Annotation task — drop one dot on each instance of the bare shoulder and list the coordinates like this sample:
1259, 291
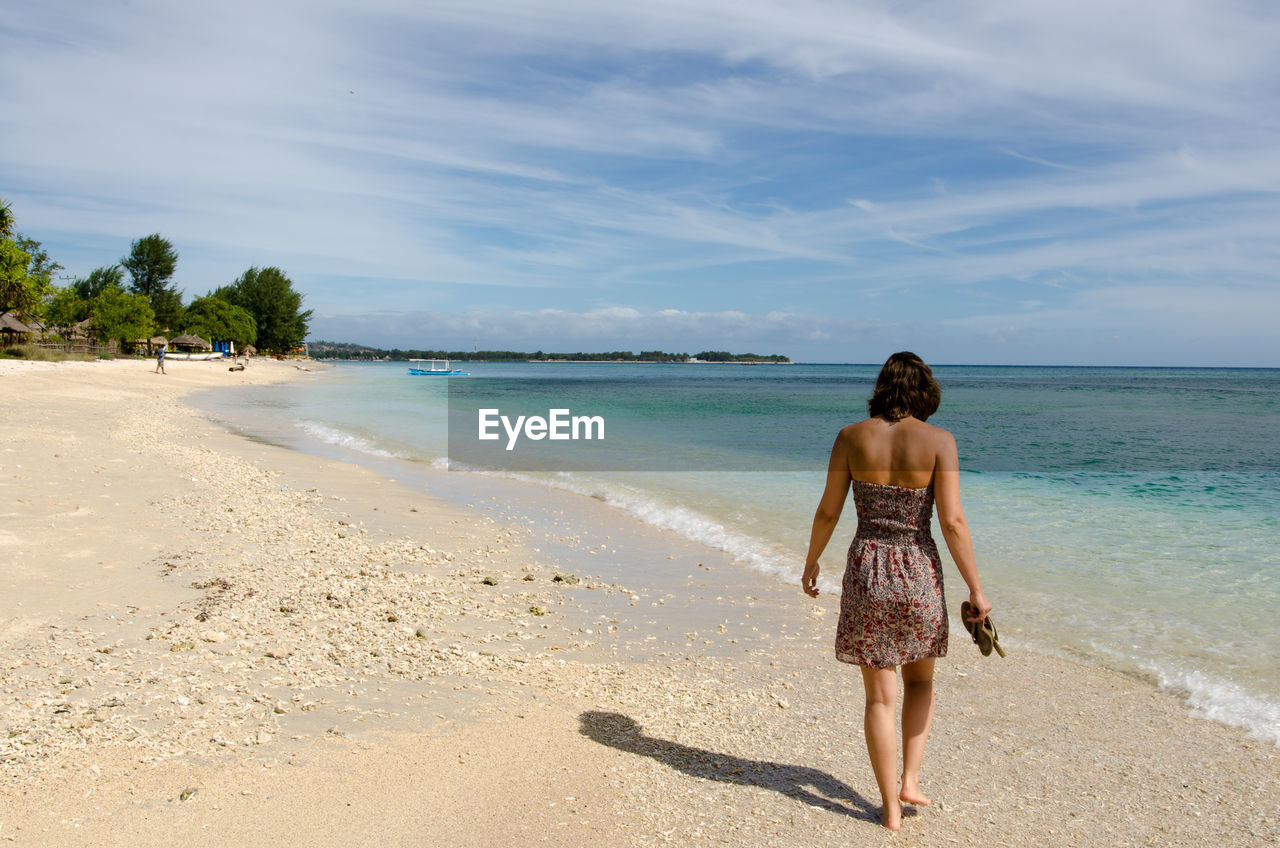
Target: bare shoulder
852, 431
938, 433
941, 441
943, 447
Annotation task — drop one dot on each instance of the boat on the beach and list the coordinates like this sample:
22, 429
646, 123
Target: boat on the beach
435, 368
191, 347
216, 354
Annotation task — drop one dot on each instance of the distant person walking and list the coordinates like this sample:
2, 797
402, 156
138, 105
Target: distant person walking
892, 609
160, 360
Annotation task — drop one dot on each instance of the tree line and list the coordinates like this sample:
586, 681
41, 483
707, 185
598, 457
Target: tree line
347, 350
260, 307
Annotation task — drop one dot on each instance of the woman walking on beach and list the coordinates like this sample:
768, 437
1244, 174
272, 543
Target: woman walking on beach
892, 610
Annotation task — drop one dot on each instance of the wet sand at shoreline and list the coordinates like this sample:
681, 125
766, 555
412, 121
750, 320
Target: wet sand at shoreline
311, 653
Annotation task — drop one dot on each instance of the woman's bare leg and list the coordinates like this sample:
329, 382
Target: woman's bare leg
881, 687
917, 718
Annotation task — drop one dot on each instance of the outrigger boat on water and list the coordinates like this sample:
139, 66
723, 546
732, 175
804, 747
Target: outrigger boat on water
434, 368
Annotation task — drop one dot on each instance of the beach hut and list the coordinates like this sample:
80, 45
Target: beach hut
189, 344
13, 331
147, 347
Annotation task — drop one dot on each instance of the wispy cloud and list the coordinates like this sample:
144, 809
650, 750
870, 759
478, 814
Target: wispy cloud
753, 156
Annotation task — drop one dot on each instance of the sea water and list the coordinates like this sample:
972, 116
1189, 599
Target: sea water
1123, 516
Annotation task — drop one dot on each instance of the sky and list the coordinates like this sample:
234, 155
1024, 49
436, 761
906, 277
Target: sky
1023, 182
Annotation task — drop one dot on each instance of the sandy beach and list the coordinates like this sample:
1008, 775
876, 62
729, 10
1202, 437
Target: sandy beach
209, 638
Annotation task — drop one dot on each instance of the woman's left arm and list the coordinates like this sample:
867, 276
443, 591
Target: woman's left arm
828, 513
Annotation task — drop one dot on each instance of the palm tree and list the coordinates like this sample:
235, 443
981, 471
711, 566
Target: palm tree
6, 219
14, 293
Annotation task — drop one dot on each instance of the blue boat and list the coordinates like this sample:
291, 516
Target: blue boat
434, 368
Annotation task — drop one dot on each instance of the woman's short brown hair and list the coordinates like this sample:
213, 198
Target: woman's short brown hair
905, 387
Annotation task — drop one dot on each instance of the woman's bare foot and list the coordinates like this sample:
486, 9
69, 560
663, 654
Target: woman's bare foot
891, 815
911, 794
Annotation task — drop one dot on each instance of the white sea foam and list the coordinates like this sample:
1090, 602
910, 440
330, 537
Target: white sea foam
751, 551
339, 438
1207, 697
1223, 702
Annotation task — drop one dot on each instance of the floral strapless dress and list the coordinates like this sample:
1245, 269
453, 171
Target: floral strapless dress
892, 607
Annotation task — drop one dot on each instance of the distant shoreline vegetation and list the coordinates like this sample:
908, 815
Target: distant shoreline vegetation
346, 350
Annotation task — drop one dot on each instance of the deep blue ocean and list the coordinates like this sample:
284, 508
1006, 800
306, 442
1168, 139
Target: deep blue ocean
1129, 517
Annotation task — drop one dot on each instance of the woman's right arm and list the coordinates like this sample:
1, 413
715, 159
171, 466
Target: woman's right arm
955, 530
828, 514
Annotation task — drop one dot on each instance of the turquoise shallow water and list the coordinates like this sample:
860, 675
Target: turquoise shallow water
1124, 516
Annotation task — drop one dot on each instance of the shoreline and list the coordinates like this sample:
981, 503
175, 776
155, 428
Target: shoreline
692, 740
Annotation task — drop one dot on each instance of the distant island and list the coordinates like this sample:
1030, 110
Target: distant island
346, 350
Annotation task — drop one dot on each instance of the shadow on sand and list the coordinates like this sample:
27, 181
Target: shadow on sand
814, 787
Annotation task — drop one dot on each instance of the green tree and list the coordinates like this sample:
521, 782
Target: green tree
40, 268
214, 319
99, 280
121, 316
151, 263
17, 290
66, 307
268, 295
40, 271
72, 304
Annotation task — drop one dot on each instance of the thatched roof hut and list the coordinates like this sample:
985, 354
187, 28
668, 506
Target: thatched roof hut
9, 321
149, 346
11, 329
188, 342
